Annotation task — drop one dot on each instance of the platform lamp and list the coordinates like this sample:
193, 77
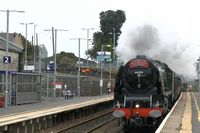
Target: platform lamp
79, 67
54, 43
198, 61
26, 24
114, 42
88, 30
102, 58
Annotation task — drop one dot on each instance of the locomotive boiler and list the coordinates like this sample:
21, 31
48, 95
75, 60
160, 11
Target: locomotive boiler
145, 89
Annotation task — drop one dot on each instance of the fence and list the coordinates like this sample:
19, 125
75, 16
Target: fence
22, 87
26, 88
88, 86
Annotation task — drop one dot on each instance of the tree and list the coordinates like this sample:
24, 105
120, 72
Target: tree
108, 20
112, 19
97, 41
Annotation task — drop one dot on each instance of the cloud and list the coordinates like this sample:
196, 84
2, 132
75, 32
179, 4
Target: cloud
145, 40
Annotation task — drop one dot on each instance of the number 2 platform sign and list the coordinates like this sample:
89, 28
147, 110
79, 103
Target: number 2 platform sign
6, 59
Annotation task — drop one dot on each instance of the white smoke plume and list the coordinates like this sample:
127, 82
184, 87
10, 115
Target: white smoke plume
146, 41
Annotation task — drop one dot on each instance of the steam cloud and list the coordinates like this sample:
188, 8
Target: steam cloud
145, 41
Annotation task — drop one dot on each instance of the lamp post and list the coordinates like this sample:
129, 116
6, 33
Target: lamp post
79, 67
26, 24
110, 77
101, 78
7, 39
118, 61
54, 43
34, 48
88, 30
114, 44
199, 72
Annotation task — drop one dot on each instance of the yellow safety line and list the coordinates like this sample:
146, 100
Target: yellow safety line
187, 120
197, 107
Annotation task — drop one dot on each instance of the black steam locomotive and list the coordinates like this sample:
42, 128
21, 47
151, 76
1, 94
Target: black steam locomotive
145, 89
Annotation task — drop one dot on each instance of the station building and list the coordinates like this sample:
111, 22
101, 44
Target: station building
14, 49
23, 87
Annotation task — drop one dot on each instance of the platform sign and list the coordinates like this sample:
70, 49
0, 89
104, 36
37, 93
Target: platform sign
100, 53
107, 57
103, 53
81, 62
58, 85
100, 58
6, 59
51, 66
101, 83
103, 58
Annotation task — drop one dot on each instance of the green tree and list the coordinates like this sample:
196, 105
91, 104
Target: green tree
109, 20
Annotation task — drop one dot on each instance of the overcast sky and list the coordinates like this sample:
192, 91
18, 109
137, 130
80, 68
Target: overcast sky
176, 21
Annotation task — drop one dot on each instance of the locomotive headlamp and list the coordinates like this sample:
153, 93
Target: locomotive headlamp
137, 105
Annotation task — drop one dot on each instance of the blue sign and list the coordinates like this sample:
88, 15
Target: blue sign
51, 66
100, 58
103, 58
107, 57
6, 59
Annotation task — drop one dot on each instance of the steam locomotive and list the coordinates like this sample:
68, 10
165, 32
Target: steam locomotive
145, 90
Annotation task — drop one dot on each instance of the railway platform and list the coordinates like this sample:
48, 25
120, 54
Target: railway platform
184, 116
31, 118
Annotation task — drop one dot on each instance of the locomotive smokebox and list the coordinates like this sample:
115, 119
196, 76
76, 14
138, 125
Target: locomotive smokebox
140, 75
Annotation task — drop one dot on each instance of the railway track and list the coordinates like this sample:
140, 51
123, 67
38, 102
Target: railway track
89, 124
101, 122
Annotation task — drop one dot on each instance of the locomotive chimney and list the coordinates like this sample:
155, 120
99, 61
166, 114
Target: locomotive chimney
141, 56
